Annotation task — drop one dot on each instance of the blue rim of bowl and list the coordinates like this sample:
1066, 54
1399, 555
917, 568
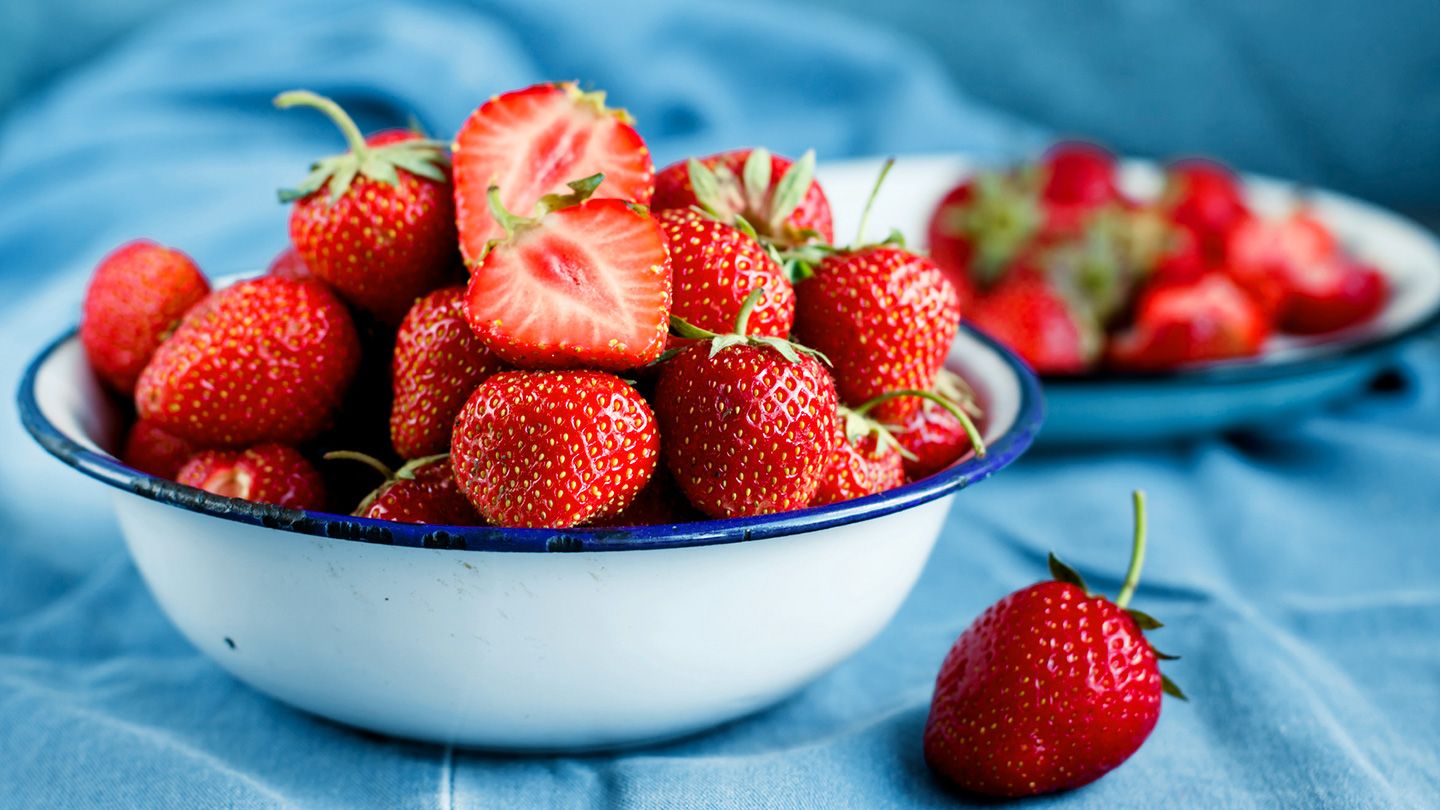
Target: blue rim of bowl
106, 468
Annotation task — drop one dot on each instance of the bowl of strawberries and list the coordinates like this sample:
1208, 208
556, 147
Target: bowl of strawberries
524, 445
1159, 301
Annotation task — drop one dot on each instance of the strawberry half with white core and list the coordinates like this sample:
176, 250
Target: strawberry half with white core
781, 200
377, 221
1050, 688
532, 143
749, 421
585, 283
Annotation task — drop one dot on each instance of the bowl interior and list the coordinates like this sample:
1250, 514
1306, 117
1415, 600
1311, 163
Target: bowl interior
1405, 252
66, 410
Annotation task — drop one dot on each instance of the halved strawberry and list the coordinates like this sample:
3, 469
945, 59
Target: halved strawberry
585, 284
531, 143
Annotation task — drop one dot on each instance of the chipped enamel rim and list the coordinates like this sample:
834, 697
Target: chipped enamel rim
101, 466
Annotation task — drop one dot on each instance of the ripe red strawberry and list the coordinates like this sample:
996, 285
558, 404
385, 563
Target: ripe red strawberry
289, 264
778, 197
553, 449
860, 465
749, 422
531, 143
438, 362
1034, 320
1205, 198
1333, 295
266, 473
1210, 319
1268, 256
584, 284
660, 503
1079, 178
265, 360
714, 266
422, 491
376, 222
136, 297
156, 451
933, 437
1049, 689
885, 317
981, 226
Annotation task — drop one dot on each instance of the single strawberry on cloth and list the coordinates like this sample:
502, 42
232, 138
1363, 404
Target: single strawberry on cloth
1296, 568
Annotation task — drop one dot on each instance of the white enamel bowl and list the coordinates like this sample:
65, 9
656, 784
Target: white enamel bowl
1291, 376
523, 640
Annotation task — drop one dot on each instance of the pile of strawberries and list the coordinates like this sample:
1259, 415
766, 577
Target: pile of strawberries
533, 328
1057, 262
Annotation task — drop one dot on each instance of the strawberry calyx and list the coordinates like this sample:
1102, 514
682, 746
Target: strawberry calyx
1061, 572
740, 337
405, 473
1002, 216
973, 433
728, 197
858, 426
422, 157
798, 263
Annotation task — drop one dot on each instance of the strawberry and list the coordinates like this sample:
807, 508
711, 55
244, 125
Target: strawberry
585, 283
981, 226
422, 491
885, 317
933, 437
1079, 178
553, 449
136, 297
1209, 319
1049, 689
438, 362
1205, 198
289, 264
749, 422
376, 222
1267, 256
532, 142
714, 266
266, 473
1333, 295
156, 451
1034, 320
778, 197
660, 503
265, 360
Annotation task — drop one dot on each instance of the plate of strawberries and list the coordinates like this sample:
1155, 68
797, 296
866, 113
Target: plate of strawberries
1157, 300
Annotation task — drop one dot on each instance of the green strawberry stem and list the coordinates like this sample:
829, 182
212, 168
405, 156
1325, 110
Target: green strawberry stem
870, 201
305, 98
742, 320
370, 461
1137, 552
976, 441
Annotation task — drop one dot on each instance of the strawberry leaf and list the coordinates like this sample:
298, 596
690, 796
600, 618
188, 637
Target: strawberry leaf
1064, 573
757, 178
1168, 687
791, 189
380, 170
707, 187
1163, 656
1144, 620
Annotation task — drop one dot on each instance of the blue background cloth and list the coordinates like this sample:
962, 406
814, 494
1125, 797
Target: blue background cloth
1297, 568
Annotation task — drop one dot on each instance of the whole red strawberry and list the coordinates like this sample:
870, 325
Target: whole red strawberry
289, 264
553, 449
864, 462
1267, 257
422, 491
1333, 295
438, 362
1025, 312
266, 473
934, 437
156, 451
1209, 319
586, 283
531, 143
1205, 198
265, 360
1049, 689
660, 503
885, 317
376, 222
749, 422
136, 297
714, 266
1079, 178
780, 199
